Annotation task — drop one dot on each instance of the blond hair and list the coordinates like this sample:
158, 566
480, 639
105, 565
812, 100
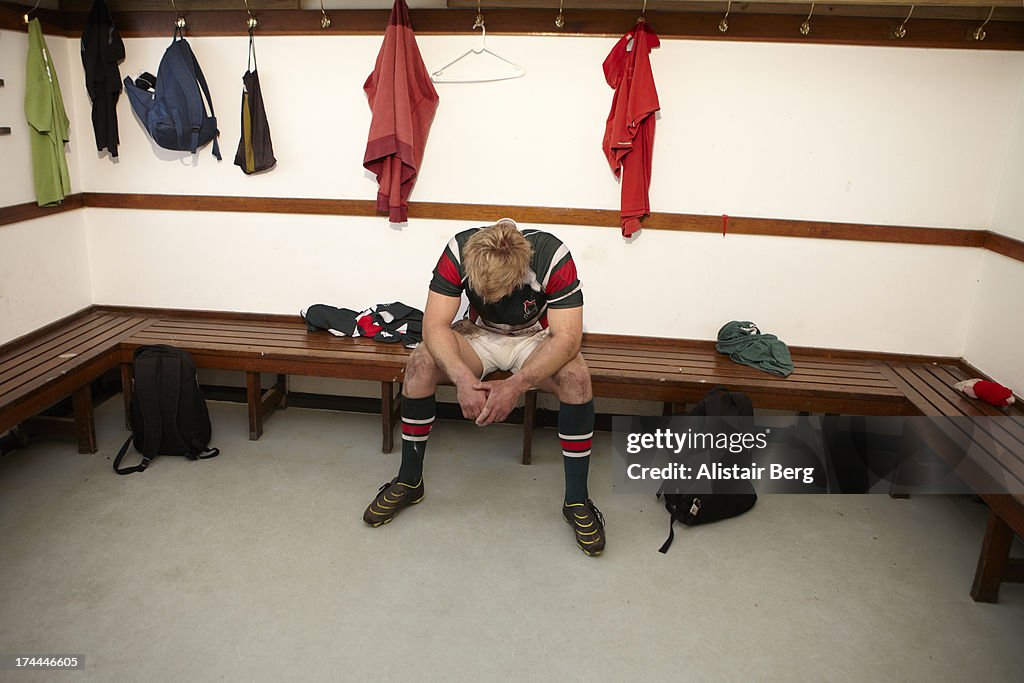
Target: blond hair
496, 259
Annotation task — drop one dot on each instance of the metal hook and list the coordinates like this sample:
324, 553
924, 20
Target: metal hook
723, 25
325, 21
643, 12
251, 22
180, 21
479, 22
979, 33
901, 30
560, 19
805, 28
25, 17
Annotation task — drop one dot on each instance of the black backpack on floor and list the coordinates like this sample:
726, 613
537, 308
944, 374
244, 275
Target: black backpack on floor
168, 412
728, 498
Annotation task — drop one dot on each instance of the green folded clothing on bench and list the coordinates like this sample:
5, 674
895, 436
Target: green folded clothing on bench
744, 343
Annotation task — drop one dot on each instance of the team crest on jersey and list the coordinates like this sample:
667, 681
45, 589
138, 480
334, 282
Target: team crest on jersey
529, 308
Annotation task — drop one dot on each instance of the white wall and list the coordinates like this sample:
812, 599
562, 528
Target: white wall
996, 329
44, 272
1008, 214
857, 134
891, 297
816, 132
44, 263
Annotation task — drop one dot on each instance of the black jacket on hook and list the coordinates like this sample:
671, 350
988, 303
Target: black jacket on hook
102, 49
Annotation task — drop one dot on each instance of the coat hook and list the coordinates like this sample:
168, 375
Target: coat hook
979, 33
805, 28
901, 30
560, 19
25, 17
643, 12
325, 21
723, 25
479, 21
251, 22
180, 21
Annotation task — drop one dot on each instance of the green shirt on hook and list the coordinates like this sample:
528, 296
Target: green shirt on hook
44, 110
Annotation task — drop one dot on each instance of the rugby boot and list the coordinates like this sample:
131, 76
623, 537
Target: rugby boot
392, 497
588, 524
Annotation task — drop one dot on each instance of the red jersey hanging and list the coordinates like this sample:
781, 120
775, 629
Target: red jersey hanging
403, 102
629, 132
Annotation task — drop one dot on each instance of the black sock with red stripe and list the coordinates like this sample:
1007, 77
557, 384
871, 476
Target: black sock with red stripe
576, 432
417, 419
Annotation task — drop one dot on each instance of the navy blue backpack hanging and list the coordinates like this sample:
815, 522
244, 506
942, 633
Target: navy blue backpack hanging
174, 113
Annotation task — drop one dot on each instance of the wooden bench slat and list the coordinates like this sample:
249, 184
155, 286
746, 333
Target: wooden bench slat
985, 440
266, 352
328, 344
730, 372
105, 342
796, 388
256, 347
718, 360
23, 358
269, 330
228, 323
807, 362
1007, 433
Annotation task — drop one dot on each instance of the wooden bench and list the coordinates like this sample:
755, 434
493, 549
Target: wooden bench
61, 360
988, 455
273, 344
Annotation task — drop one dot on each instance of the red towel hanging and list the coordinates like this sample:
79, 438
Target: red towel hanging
629, 131
403, 102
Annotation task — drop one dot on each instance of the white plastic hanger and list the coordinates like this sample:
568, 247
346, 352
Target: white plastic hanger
439, 76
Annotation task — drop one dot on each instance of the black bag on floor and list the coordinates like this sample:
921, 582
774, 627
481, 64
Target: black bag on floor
728, 498
168, 411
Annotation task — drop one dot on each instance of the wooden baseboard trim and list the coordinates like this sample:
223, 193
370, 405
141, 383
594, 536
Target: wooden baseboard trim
29, 210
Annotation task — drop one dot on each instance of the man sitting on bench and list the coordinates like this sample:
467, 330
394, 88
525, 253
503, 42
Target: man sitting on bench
526, 316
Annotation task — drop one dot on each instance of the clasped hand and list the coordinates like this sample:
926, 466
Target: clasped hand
487, 402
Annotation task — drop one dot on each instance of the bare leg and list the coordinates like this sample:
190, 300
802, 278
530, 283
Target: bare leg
422, 374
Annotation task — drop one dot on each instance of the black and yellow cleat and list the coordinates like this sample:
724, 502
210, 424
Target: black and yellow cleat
588, 523
392, 497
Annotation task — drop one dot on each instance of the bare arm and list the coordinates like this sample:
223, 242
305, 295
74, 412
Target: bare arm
440, 338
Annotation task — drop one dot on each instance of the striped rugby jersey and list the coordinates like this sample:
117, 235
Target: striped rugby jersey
550, 282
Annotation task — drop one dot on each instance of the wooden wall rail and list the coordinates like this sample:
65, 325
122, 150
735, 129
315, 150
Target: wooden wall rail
602, 218
841, 30
29, 210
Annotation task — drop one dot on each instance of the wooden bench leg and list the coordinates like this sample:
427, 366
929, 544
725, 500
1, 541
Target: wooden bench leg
529, 418
263, 404
910, 446
390, 412
85, 423
127, 386
253, 398
282, 387
993, 561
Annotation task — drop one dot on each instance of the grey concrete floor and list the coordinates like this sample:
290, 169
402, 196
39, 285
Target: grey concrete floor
256, 566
